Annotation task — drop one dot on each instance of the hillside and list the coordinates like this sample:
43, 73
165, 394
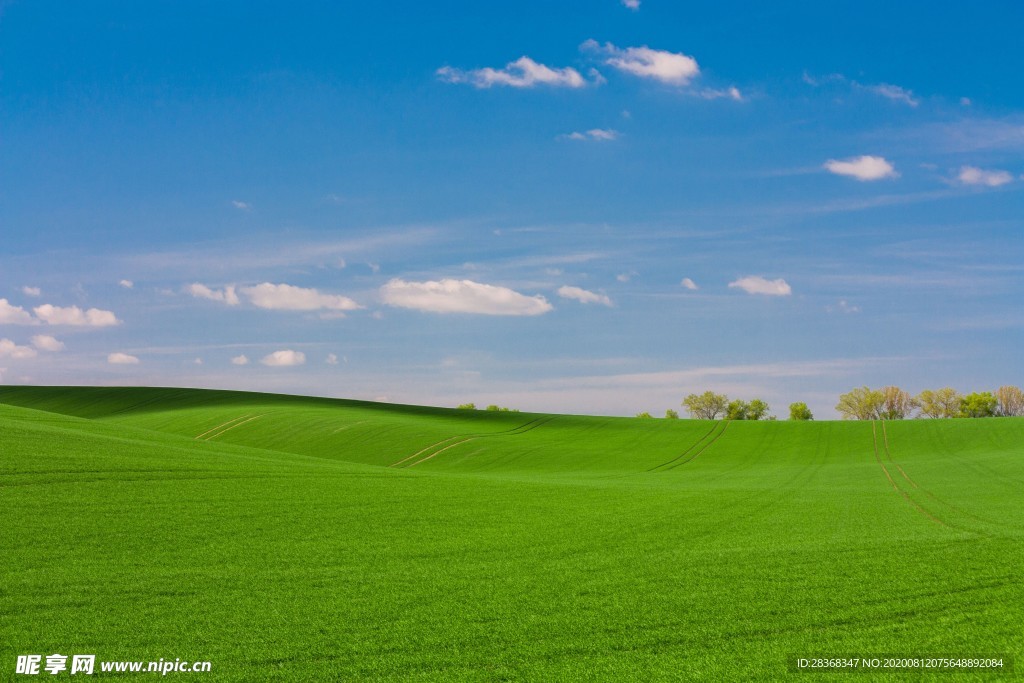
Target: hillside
291, 538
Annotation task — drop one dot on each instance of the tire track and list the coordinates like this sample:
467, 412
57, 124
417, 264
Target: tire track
200, 436
521, 429
692, 446
237, 424
906, 496
709, 444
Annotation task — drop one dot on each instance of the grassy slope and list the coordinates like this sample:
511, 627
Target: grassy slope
537, 548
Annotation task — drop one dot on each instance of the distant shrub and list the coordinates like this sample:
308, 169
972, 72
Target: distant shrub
800, 411
671, 414
644, 415
467, 406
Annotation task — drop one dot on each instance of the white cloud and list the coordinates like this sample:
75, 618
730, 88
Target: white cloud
732, 92
972, 175
584, 296
843, 307
14, 315
119, 358
689, 284
242, 206
197, 361
31, 291
598, 134
332, 359
285, 297
862, 168
240, 360
127, 284
73, 315
755, 284
895, 93
8, 349
47, 343
522, 73
461, 296
631, 4
226, 295
285, 358
668, 67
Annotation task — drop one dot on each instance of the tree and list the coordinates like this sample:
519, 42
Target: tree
737, 410
896, 404
671, 414
979, 404
757, 410
1011, 401
707, 406
467, 406
860, 404
800, 411
644, 415
943, 402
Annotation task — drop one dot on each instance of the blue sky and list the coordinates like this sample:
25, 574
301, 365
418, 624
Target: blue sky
593, 207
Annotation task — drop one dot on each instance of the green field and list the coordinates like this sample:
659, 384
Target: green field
289, 538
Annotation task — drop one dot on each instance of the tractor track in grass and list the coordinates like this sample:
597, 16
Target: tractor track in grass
227, 427
906, 496
521, 429
709, 444
940, 501
684, 453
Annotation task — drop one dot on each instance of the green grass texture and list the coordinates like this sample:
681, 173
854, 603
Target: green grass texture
286, 538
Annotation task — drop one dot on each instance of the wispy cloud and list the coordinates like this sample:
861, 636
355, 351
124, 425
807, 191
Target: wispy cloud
972, 175
462, 296
227, 295
843, 306
75, 316
631, 4
15, 315
894, 93
45, 342
284, 297
31, 291
240, 205
584, 296
284, 358
673, 68
8, 349
689, 284
118, 358
522, 73
732, 93
240, 360
755, 284
594, 134
863, 168
127, 284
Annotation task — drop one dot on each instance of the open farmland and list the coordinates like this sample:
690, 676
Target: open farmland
290, 538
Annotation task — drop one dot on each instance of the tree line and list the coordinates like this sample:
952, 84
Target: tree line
893, 403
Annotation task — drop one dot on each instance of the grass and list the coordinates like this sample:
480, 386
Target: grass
313, 539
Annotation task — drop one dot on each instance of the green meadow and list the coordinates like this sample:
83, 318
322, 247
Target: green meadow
286, 538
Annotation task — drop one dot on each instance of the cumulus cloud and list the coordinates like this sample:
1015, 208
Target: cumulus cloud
45, 342
461, 296
226, 295
972, 175
755, 284
862, 168
284, 358
583, 296
596, 134
240, 360
8, 349
75, 316
894, 93
332, 359
689, 284
119, 358
673, 68
290, 298
31, 291
14, 315
522, 73
631, 4
127, 284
